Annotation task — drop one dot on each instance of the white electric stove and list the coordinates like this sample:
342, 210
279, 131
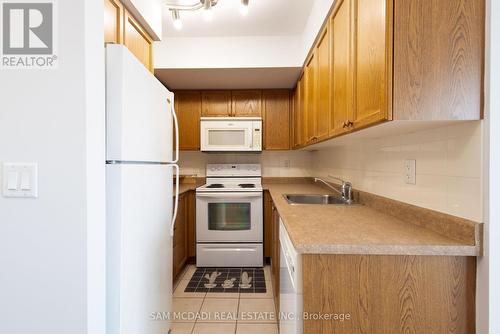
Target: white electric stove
229, 221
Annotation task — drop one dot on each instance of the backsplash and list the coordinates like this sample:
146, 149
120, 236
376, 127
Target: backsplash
448, 168
274, 163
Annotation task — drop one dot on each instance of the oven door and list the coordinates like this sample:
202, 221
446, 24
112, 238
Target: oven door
229, 217
226, 135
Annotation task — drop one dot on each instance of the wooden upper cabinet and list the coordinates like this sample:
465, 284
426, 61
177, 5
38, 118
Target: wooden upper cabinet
188, 109
246, 103
276, 119
298, 115
216, 103
113, 22
323, 111
301, 137
137, 40
373, 61
438, 59
342, 70
310, 74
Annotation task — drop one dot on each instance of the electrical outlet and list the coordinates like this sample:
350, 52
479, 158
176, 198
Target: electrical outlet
287, 163
411, 171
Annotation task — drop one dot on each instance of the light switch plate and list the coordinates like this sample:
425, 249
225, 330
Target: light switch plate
411, 171
25, 175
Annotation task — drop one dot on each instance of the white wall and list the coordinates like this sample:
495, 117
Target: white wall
274, 163
488, 270
318, 14
242, 51
228, 52
55, 118
448, 164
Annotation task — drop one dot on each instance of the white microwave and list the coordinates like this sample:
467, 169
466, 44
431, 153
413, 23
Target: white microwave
231, 134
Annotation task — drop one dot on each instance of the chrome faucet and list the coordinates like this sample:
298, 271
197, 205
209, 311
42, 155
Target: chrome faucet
345, 189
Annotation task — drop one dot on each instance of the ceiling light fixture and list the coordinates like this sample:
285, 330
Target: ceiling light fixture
244, 7
207, 10
177, 19
206, 5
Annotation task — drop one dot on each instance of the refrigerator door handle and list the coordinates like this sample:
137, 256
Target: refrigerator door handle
176, 204
176, 125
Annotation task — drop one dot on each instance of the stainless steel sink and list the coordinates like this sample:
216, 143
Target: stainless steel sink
314, 199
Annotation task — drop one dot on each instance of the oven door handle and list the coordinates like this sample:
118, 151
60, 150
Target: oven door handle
229, 195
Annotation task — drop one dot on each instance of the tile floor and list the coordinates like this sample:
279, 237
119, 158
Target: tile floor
221, 313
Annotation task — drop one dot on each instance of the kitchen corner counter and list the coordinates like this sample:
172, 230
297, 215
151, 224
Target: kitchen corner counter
188, 183
185, 187
358, 229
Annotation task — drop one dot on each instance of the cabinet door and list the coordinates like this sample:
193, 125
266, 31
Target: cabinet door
275, 262
137, 40
301, 121
311, 101
113, 23
323, 111
180, 238
295, 118
246, 103
268, 224
373, 61
341, 24
216, 103
191, 223
276, 119
188, 109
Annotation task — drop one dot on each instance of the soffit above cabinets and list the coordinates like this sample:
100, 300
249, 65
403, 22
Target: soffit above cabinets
229, 78
265, 18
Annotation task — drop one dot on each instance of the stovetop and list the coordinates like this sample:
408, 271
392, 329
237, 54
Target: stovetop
232, 178
231, 185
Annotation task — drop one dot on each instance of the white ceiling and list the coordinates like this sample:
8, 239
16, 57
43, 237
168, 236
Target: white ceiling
265, 18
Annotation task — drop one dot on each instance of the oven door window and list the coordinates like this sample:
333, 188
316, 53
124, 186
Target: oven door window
229, 216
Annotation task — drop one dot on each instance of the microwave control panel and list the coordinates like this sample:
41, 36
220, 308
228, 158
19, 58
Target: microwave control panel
257, 136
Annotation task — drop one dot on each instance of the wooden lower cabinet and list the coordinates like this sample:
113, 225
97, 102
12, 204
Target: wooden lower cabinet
191, 224
275, 258
184, 231
390, 294
268, 225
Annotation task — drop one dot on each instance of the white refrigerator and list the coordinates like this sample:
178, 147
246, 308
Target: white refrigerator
140, 165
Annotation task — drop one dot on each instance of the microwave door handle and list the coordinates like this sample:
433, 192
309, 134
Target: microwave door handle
176, 130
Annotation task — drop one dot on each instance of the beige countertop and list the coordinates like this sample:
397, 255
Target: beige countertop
185, 187
357, 229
